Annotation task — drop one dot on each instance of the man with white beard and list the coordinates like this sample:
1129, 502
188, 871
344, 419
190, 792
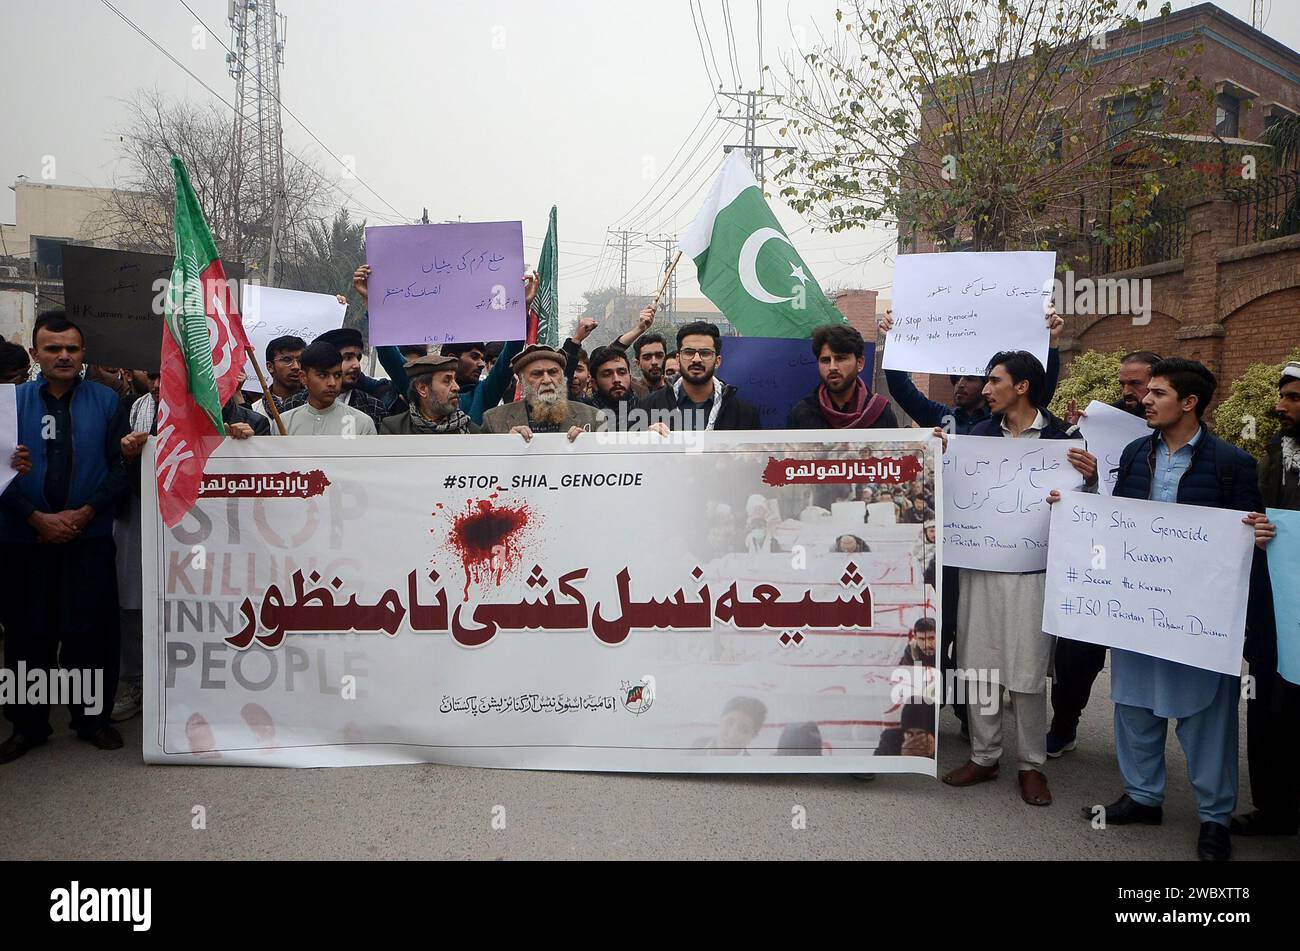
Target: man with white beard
544, 406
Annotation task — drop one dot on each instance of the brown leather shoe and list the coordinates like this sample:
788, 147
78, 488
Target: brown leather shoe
1033, 788
971, 773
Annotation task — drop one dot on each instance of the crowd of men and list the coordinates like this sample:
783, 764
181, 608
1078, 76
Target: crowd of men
70, 524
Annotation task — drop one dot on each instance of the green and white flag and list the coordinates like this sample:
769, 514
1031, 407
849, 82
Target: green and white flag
746, 264
548, 301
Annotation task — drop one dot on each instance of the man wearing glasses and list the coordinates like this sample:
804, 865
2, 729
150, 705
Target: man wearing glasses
282, 355
698, 400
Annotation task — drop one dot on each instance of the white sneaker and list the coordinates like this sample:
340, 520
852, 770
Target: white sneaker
130, 701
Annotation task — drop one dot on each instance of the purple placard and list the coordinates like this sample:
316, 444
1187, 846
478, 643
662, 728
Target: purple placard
774, 373
446, 283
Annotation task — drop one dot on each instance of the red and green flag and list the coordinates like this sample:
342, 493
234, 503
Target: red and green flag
203, 351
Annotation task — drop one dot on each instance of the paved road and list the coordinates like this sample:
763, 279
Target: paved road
68, 800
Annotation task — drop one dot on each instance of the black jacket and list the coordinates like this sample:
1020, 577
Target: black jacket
807, 414
734, 413
234, 412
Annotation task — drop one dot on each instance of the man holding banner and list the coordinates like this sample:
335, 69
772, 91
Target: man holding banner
1180, 462
58, 590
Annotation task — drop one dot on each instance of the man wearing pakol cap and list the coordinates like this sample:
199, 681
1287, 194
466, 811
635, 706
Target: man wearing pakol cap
544, 406
433, 400
1273, 711
347, 341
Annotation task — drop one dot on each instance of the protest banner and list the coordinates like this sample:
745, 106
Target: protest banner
1283, 557
117, 299
446, 283
1157, 578
8, 432
995, 511
271, 312
774, 373
332, 601
954, 311
1107, 430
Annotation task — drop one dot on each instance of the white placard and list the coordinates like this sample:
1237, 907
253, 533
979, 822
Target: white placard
1157, 578
8, 432
1107, 431
954, 311
271, 312
995, 511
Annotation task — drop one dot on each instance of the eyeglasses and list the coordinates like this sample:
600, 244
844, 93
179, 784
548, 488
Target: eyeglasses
286, 361
690, 353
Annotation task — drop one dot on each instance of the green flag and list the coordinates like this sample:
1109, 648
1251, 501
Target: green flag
746, 264
547, 304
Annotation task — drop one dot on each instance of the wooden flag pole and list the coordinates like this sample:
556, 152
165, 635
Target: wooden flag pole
270, 403
667, 276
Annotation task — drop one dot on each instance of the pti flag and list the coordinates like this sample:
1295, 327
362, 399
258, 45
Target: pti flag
203, 349
746, 264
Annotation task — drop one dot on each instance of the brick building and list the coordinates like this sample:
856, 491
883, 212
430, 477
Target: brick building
1224, 270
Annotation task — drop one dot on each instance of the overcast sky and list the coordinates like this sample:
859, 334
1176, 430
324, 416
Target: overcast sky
472, 108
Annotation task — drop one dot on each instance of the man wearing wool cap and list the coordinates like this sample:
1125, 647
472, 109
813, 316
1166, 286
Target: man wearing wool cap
544, 406
433, 400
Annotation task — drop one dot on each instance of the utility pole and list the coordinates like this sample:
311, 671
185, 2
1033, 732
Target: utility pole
257, 37
668, 242
625, 244
751, 120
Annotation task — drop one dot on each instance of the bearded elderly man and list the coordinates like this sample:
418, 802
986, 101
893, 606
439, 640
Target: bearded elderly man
433, 400
544, 406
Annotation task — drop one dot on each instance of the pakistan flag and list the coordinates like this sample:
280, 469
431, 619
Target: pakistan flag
746, 264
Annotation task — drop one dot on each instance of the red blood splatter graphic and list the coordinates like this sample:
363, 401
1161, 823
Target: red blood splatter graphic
488, 537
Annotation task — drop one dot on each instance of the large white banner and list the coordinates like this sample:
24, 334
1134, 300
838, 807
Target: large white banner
953, 311
1153, 577
618, 603
995, 511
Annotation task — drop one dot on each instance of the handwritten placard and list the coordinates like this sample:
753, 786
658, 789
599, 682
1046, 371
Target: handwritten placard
1283, 557
446, 283
8, 432
271, 312
1166, 580
117, 298
774, 373
995, 511
954, 311
1107, 431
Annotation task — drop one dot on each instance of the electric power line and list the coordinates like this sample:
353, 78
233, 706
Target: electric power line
294, 117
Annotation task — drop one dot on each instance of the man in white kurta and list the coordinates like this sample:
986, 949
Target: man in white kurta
324, 414
999, 632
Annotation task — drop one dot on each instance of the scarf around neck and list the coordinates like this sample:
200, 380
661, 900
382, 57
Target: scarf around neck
864, 409
457, 422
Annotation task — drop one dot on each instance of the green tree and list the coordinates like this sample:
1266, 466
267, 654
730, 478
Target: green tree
987, 124
1094, 375
1246, 418
324, 261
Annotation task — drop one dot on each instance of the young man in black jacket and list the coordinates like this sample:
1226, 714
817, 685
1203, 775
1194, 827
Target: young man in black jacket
842, 400
1181, 462
698, 400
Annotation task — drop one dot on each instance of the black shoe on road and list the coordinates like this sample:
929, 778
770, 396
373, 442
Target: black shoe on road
103, 737
1214, 844
16, 746
1124, 811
